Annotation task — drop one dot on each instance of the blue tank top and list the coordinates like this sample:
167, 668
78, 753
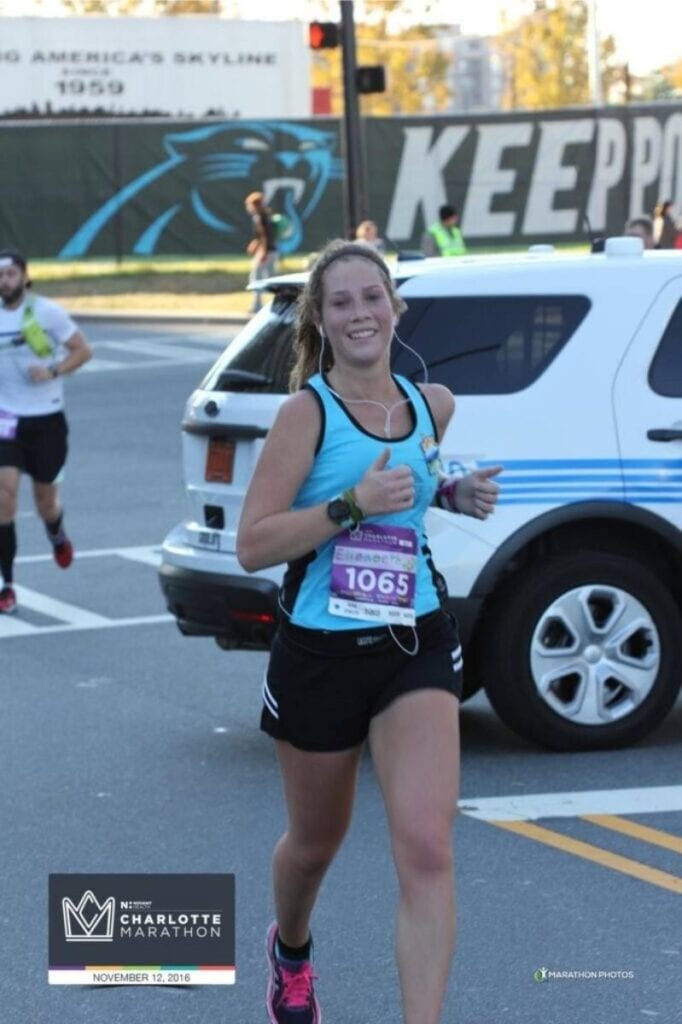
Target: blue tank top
345, 452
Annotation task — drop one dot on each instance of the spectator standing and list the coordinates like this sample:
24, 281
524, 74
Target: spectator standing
444, 238
641, 227
263, 246
367, 233
665, 229
678, 240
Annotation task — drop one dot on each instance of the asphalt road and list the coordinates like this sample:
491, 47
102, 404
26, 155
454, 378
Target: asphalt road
128, 748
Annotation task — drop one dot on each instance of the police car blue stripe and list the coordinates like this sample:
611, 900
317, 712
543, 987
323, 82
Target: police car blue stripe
655, 476
615, 464
652, 488
560, 499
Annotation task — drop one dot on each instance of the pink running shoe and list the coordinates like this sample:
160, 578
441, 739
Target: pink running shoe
8, 601
291, 995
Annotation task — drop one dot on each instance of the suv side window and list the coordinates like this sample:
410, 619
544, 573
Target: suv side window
493, 344
261, 358
665, 375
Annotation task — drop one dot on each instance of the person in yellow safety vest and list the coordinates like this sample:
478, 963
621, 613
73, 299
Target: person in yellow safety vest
444, 238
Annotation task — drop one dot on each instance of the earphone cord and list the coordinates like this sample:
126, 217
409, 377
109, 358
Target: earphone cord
371, 401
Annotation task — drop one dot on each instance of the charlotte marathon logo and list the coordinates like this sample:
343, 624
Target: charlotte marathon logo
183, 923
89, 920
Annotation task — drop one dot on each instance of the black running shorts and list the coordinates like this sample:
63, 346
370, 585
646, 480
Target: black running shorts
39, 447
322, 688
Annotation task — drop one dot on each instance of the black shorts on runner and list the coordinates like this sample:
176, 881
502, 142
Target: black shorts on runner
322, 688
39, 447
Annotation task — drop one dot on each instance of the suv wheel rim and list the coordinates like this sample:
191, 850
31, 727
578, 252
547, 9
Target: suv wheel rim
595, 655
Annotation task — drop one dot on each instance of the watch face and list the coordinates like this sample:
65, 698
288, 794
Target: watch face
338, 511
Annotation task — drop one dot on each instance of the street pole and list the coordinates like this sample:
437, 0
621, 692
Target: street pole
593, 66
355, 192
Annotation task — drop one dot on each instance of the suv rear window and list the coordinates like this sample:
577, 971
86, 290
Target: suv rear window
260, 358
484, 345
665, 376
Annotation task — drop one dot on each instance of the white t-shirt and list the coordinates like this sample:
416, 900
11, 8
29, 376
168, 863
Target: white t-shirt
20, 395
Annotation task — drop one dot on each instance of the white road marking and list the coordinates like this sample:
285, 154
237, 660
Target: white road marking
148, 554
95, 366
70, 614
161, 350
69, 617
644, 800
10, 627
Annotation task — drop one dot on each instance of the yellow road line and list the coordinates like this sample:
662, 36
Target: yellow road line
593, 853
631, 828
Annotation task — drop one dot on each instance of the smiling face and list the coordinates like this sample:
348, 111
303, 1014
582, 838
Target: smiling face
357, 313
12, 282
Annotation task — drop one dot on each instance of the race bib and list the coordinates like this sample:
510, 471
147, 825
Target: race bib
374, 575
8, 426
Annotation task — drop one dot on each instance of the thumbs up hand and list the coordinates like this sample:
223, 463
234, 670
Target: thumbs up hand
477, 492
384, 490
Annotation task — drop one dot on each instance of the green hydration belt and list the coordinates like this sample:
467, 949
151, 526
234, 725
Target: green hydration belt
33, 334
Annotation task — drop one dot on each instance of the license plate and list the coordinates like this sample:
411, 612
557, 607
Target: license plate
209, 539
219, 460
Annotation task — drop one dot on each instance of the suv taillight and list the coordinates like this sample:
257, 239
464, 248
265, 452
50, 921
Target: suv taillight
219, 460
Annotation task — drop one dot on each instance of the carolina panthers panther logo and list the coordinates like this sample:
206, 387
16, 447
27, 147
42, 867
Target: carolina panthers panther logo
199, 164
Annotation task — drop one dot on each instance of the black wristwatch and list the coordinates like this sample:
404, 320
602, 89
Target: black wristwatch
339, 511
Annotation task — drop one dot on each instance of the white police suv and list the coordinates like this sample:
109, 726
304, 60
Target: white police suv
568, 370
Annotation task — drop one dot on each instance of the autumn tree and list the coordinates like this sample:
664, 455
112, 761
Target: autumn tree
545, 57
108, 7
177, 7
664, 83
113, 8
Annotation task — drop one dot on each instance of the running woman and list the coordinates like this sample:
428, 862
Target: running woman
39, 345
364, 651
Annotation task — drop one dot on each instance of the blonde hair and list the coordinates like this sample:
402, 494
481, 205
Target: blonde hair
307, 340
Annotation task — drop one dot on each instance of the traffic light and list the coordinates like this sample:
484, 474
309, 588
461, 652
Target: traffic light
371, 78
323, 35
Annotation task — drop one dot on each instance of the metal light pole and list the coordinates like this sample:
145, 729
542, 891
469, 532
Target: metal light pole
355, 190
593, 65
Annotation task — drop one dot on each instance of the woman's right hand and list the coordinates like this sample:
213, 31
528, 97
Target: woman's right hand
384, 490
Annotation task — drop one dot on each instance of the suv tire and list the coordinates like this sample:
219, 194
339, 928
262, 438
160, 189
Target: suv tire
569, 644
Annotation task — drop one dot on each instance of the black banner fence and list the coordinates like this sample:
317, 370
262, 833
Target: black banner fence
153, 188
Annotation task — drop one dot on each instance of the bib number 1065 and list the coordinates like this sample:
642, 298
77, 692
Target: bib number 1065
388, 583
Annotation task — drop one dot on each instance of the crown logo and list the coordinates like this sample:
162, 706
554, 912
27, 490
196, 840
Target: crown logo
90, 920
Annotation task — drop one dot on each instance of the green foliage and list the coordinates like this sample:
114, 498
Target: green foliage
545, 54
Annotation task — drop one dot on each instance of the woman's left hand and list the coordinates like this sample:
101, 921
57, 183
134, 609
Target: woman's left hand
477, 492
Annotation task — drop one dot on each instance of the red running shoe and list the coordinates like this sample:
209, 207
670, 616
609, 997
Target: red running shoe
8, 601
63, 554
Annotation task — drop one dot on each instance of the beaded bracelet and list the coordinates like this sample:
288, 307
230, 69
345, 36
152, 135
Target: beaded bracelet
446, 495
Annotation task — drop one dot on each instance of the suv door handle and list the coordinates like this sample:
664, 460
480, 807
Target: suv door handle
664, 434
